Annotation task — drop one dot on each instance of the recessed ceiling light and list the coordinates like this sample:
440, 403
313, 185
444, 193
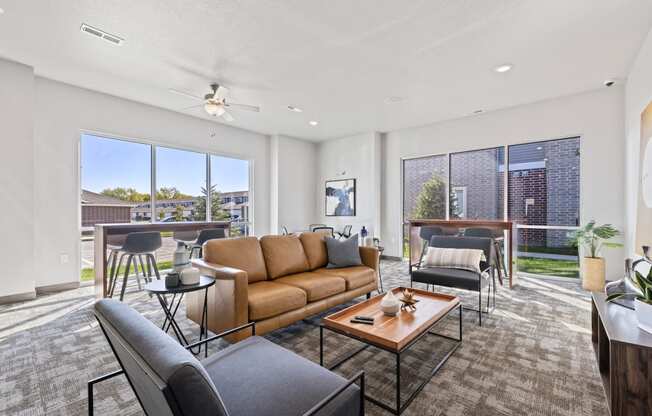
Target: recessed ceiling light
313, 122
295, 109
393, 100
503, 68
99, 33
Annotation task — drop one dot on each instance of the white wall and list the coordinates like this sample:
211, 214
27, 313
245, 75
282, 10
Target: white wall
638, 95
356, 157
16, 179
596, 116
293, 174
62, 112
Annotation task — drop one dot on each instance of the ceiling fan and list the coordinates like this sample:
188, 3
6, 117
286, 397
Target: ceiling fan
215, 103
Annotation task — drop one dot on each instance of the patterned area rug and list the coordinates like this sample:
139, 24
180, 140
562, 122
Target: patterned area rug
532, 356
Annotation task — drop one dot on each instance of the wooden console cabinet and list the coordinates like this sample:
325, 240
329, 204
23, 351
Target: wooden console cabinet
624, 354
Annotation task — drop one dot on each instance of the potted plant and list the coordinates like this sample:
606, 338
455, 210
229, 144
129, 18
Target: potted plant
593, 237
642, 299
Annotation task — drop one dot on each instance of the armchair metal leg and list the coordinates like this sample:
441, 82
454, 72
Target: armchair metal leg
94, 381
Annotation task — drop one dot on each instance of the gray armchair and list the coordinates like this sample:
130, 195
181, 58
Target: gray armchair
252, 377
458, 278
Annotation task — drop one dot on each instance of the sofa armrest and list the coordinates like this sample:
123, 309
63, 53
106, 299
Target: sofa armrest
228, 299
370, 257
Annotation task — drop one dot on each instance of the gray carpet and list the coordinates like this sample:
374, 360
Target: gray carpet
533, 356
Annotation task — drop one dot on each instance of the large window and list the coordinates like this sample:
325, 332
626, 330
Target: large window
117, 183
424, 189
230, 192
477, 181
180, 185
542, 198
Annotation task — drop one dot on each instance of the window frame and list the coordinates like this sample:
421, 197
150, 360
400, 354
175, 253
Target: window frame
154, 144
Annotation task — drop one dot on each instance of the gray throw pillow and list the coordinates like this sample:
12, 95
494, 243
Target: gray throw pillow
343, 253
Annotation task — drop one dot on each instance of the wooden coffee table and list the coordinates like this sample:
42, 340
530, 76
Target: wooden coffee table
394, 334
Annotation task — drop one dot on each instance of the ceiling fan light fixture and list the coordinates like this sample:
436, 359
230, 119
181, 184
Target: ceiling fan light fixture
214, 109
501, 69
295, 109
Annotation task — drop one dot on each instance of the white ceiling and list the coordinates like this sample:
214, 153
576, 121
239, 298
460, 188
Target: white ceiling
338, 60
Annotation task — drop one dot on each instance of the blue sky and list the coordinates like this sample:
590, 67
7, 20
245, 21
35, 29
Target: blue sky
109, 163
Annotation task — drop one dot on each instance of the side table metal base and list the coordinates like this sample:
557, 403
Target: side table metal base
170, 310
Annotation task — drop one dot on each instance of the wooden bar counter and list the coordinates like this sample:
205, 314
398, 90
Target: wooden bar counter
453, 227
102, 231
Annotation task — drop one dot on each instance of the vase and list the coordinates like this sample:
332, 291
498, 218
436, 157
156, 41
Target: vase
644, 315
593, 274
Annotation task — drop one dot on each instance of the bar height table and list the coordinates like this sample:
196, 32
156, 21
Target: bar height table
102, 231
501, 226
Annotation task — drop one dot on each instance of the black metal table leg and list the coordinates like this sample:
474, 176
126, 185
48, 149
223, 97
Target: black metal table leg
400, 406
398, 383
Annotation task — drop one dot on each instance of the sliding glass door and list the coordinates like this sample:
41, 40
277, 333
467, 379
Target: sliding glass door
477, 184
544, 201
425, 184
542, 197
230, 193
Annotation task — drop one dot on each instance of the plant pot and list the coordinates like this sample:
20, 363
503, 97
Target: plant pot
644, 315
593, 274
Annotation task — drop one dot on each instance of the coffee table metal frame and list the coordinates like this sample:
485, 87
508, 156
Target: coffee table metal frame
170, 308
400, 407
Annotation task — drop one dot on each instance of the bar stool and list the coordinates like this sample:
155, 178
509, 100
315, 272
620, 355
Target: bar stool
204, 236
488, 233
136, 246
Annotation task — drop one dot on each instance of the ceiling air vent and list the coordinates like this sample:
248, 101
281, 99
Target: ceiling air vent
98, 33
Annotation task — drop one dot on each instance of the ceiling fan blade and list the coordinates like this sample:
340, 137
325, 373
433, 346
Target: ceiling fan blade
227, 117
243, 107
191, 107
185, 94
221, 93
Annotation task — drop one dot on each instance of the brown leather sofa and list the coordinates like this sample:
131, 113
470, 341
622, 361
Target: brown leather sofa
275, 281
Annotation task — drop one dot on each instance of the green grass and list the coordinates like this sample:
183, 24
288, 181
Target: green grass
570, 251
549, 267
88, 273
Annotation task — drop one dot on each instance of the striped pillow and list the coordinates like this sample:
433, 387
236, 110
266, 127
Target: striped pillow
453, 258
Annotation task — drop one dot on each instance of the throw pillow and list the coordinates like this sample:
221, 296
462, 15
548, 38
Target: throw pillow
453, 258
343, 253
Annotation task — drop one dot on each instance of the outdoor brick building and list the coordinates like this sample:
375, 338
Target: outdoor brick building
477, 182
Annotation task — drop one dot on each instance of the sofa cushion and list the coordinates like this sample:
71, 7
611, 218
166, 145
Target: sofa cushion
283, 255
240, 253
343, 253
314, 245
257, 377
463, 279
355, 277
271, 298
316, 285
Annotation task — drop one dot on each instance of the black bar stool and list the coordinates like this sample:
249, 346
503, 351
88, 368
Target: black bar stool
204, 236
489, 233
136, 246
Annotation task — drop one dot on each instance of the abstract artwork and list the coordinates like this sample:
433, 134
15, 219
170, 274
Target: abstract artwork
340, 198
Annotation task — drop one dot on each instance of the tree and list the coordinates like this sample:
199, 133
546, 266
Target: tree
170, 192
126, 194
217, 213
178, 213
431, 201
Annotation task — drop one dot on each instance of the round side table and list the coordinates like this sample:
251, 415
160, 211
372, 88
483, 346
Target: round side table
158, 288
